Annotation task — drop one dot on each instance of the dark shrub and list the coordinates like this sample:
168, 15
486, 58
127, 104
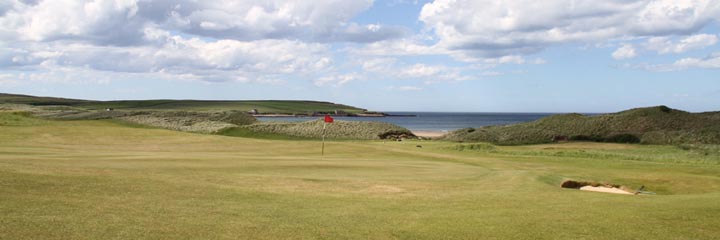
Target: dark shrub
467, 130
395, 135
665, 109
623, 138
559, 138
592, 138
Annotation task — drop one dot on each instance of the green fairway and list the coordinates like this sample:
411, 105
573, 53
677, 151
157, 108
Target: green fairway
107, 180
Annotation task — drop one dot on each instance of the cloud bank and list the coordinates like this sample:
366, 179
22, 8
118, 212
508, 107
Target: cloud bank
485, 28
272, 41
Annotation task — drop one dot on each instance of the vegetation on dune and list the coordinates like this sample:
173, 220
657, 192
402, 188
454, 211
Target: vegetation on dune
199, 122
335, 130
653, 125
263, 106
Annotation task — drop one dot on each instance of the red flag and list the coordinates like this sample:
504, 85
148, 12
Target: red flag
328, 119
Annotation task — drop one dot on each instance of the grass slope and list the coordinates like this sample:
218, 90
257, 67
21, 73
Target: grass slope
654, 125
102, 180
268, 106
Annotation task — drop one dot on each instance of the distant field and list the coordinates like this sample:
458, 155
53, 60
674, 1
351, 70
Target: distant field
101, 180
268, 106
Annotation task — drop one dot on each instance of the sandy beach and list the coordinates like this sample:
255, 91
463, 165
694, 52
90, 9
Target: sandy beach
428, 134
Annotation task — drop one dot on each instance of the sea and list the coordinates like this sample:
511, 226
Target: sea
434, 121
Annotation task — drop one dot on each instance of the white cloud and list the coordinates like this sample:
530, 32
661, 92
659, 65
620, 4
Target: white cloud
505, 59
627, 51
710, 62
421, 70
398, 47
664, 45
337, 79
387, 68
121, 22
244, 41
193, 58
377, 64
485, 28
101, 21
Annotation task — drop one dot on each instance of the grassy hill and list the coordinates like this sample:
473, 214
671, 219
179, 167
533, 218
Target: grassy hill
653, 125
263, 106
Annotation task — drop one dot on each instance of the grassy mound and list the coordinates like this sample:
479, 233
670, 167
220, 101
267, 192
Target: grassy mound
653, 125
314, 129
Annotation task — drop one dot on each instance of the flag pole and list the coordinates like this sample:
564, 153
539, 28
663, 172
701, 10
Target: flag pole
323, 139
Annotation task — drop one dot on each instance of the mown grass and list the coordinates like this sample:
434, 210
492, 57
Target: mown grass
100, 180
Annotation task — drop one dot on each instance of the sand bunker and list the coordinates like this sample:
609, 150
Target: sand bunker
605, 190
595, 187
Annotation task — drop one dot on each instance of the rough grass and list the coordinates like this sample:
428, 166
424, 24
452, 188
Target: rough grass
335, 130
655, 125
101, 180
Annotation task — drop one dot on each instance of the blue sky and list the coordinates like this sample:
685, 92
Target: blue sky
395, 55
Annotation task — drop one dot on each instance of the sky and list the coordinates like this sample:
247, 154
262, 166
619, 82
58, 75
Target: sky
393, 55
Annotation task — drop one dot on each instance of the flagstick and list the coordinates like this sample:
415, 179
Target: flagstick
323, 139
